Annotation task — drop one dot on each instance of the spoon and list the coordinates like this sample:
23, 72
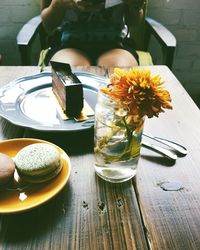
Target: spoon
173, 145
170, 155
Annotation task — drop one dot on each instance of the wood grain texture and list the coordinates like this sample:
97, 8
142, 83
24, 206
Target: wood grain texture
92, 214
172, 218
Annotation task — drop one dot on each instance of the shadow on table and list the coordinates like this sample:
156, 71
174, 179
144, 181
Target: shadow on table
162, 161
38, 223
72, 142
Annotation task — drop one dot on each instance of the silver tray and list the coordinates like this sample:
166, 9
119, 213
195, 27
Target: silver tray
26, 102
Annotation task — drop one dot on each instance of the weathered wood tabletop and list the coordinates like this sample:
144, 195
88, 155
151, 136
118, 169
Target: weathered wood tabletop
90, 213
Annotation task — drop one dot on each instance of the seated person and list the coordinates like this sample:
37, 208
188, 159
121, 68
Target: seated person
92, 31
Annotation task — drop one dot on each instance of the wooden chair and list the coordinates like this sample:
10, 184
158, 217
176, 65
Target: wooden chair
147, 28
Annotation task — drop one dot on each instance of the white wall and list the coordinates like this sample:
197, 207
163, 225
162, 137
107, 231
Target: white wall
13, 14
182, 17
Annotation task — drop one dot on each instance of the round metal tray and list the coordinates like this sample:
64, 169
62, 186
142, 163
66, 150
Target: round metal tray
27, 102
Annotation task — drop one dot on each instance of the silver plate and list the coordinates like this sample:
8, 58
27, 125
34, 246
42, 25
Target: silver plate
26, 102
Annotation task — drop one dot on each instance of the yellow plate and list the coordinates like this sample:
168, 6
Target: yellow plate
16, 197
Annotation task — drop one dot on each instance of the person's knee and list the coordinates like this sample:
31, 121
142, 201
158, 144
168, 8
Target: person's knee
117, 58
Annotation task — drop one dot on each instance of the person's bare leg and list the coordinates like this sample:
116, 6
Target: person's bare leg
72, 56
117, 58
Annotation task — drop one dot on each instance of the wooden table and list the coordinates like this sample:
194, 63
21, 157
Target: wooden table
139, 214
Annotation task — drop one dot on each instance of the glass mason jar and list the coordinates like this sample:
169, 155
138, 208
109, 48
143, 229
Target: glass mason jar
117, 141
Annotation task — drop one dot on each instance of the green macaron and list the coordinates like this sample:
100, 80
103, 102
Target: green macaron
38, 162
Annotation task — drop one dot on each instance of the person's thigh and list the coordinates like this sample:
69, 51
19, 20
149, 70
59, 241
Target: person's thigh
117, 58
72, 56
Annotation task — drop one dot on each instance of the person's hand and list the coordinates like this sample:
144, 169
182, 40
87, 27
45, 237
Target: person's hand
53, 12
82, 5
89, 5
63, 4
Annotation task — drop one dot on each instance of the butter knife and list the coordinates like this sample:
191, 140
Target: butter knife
167, 153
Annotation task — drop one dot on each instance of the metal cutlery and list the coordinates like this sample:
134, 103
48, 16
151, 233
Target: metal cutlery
167, 153
180, 149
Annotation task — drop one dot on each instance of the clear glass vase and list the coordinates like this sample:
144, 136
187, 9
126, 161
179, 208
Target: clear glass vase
117, 141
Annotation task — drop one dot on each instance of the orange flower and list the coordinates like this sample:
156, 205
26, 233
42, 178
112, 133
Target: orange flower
136, 89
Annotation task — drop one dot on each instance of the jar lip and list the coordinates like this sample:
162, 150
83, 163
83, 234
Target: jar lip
105, 100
